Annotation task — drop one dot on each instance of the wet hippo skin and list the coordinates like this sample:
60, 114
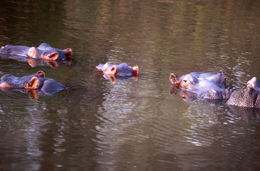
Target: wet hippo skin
31, 82
43, 51
248, 97
121, 70
188, 80
201, 85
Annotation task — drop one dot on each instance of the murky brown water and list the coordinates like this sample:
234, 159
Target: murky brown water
130, 124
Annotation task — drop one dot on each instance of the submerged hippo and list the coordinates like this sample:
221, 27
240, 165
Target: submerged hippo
43, 51
248, 97
121, 70
189, 80
207, 86
33, 82
111, 71
201, 85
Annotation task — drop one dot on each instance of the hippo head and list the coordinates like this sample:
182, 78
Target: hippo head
31, 82
114, 70
35, 81
47, 55
118, 70
63, 53
185, 81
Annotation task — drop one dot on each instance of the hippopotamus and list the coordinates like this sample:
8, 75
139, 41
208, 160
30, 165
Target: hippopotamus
43, 51
248, 97
32, 82
201, 85
121, 70
189, 80
208, 86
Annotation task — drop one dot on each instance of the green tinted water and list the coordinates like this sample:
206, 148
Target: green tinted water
130, 124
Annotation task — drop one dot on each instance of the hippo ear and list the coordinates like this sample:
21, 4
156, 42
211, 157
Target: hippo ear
112, 70
40, 74
174, 78
105, 66
32, 52
51, 56
67, 52
33, 83
253, 83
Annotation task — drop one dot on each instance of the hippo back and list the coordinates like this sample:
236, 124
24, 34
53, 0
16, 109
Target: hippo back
51, 86
248, 97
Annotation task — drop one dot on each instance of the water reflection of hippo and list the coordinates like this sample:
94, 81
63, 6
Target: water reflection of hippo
122, 70
44, 51
201, 85
42, 62
248, 97
36, 82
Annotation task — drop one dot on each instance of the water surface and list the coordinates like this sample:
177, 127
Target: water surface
130, 124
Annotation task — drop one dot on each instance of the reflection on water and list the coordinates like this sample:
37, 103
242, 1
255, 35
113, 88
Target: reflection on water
125, 125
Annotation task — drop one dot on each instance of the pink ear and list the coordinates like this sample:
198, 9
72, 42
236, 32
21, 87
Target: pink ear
40, 74
112, 70
174, 79
252, 83
32, 84
52, 56
32, 52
